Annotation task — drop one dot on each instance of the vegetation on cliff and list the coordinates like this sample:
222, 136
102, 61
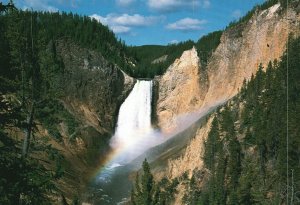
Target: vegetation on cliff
146, 56
267, 4
206, 45
26, 174
246, 150
148, 192
48, 27
245, 158
33, 82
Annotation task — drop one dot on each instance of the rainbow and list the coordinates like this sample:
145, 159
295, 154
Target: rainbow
134, 130
103, 163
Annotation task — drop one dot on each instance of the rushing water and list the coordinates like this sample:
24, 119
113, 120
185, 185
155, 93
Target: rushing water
133, 129
134, 134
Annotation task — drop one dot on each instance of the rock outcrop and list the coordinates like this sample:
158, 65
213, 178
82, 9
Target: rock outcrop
192, 158
160, 59
93, 91
94, 88
179, 90
260, 40
187, 87
243, 48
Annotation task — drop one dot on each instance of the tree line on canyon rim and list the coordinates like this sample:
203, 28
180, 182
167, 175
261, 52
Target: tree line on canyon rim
20, 27
31, 84
245, 157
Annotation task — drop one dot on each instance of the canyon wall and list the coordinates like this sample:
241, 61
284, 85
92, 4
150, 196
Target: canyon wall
93, 91
187, 87
179, 89
243, 47
94, 88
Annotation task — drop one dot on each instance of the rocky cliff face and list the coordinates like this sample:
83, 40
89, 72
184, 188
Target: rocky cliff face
186, 87
179, 90
93, 91
192, 157
238, 56
243, 48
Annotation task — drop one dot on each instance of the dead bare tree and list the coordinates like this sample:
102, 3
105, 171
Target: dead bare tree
30, 116
28, 131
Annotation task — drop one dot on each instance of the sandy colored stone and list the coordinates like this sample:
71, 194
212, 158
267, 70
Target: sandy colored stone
192, 157
241, 50
186, 87
179, 89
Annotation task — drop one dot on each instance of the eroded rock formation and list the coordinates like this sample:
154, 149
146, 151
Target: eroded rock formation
187, 87
237, 57
93, 91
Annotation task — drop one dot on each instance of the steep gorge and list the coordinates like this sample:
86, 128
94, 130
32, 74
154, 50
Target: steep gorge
88, 78
188, 87
93, 91
260, 40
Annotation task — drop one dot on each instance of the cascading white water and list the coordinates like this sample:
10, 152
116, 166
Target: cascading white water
133, 136
134, 116
134, 132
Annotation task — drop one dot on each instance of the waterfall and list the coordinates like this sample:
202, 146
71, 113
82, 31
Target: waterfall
134, 120
134, 133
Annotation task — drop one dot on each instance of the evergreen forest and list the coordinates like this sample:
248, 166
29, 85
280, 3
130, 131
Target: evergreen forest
252, 152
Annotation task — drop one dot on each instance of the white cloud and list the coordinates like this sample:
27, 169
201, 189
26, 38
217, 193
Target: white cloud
120, 29
175, 5
174, 42
187, 24
72, 3
131, 20
123, 23
46, 5
43, 5
236, 14
206, 4
124, 3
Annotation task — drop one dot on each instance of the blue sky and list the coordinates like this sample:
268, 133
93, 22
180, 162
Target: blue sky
140, 22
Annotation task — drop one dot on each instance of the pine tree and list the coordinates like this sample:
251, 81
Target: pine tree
245, 196
144, 189
221, 193
147, 184
234, 169
212, 146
